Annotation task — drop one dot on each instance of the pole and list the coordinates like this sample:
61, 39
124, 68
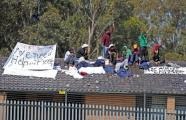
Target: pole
144, 105
66, 98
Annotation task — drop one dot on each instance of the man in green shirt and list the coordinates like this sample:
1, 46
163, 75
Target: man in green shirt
126, 52
143, 46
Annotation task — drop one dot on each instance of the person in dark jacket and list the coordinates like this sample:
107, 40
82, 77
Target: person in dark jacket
83, 52
111, 54
155, 52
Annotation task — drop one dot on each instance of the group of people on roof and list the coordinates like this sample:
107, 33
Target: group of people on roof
137, 54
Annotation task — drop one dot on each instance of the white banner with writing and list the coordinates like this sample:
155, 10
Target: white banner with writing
31, 60
165, 70
33, 57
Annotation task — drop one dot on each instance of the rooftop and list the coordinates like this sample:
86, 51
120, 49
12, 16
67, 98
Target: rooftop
157, 84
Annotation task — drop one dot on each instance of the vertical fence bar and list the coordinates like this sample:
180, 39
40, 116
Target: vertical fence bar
10, 109
182, 115
21, 110
14, 109
144, 107
35, 112
28, 112
116, 112
152, 113
31, 110
42, 110
39, 110
55, 111
89, 112
24, 113
86, 111
110, 112
148, 114
62, 111
76, 112
106, 114
102, 114
58, 111
83, 112
18, 110
69, 110
121, 113
65, 111
52, 111
79, 111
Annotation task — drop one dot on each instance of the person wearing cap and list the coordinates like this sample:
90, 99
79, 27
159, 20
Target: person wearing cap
111, 54
83, 52
69, 58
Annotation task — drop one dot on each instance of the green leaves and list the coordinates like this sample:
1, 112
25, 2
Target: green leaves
70, 23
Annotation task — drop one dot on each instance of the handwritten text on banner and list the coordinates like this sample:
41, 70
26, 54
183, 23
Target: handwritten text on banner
33, 57
165, 70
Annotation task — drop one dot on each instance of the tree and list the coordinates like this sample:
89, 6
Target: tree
14, 15
165, 19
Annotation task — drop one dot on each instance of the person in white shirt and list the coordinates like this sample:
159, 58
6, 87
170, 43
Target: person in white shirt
69, 58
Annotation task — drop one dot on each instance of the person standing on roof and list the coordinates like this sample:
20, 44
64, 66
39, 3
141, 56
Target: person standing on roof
83, 52
135, 54
143, 46
106, 39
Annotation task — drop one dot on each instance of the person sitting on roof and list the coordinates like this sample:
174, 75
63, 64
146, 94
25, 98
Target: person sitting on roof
156, 53
69, 58
83, 52
111, 54
127, 53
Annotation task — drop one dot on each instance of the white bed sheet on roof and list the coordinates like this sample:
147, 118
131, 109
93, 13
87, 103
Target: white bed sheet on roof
41, 73
92, 70
72, 71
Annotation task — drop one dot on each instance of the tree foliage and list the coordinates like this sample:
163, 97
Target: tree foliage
70, 23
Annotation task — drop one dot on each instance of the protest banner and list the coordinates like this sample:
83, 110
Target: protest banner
31, 60
165, 70
33, 57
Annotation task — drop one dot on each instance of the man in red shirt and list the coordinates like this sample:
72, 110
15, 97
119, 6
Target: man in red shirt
105, 40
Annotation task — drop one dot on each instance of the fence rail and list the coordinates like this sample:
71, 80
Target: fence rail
42, 110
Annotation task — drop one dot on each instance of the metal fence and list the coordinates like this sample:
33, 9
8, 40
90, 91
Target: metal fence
45, 110
181, 114
42, 110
